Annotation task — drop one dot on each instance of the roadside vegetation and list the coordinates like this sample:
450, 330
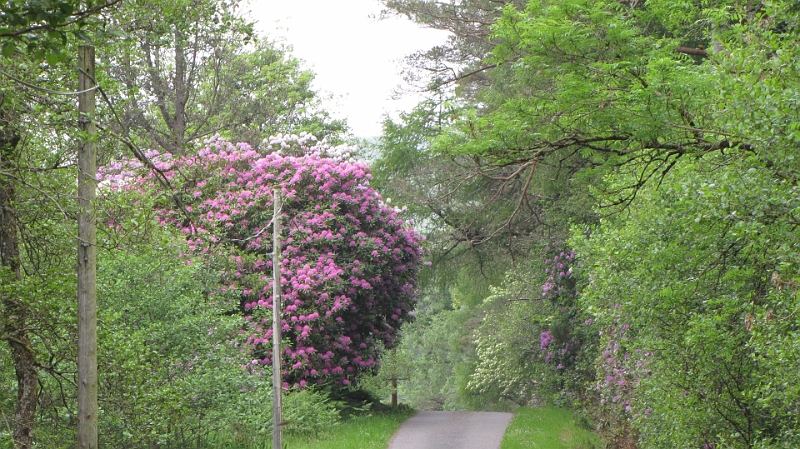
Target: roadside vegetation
609, 192
370, 431
606, 192
549, 428
364, 430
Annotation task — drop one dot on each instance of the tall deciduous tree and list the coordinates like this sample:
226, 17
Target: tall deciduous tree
35, 234
16, 321
172, 47
189, 69
35, 238
261, 90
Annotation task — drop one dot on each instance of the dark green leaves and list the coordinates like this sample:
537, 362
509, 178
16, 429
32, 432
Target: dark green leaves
8, 49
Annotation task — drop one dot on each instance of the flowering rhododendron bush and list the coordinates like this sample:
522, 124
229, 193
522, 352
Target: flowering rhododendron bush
536, 345
349, 262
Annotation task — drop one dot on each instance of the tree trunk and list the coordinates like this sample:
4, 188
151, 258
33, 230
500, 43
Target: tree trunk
181, 95
14, 326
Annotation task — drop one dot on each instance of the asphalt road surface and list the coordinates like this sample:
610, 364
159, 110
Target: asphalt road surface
452, 430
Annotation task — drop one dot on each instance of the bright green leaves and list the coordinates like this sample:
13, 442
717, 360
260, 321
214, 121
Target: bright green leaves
42, 28
169, 366
691, 267
574, 72
8, 48
25, 14
53, 57
683, 116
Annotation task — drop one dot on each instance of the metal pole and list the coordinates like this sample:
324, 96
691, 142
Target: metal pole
87, 257
277, 440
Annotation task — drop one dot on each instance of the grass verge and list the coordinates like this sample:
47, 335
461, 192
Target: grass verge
370, 431
358, 432
547, 428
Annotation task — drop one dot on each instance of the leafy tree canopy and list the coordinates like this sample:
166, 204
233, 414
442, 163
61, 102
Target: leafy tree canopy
42, 28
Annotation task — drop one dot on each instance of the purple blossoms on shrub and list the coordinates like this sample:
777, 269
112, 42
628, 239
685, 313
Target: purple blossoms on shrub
349, 262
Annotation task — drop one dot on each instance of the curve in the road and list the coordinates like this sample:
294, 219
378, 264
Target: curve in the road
452, 430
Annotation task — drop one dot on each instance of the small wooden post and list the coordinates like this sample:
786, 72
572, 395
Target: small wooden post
87, 256
394, 392
277, 440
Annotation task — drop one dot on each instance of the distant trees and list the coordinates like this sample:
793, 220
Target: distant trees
187, 70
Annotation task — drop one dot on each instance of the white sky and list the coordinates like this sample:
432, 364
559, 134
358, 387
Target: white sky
356, 57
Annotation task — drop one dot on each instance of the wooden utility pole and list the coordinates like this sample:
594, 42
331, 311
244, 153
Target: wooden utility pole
87, 255
277, 437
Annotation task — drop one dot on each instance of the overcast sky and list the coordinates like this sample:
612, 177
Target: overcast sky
356, 57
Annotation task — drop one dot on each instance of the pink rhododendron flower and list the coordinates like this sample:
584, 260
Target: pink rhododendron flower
349, 262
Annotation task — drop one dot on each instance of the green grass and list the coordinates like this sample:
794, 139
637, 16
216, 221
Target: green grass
371, 431
358, 432
547, 428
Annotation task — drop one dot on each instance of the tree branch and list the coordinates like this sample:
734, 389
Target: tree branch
693, 51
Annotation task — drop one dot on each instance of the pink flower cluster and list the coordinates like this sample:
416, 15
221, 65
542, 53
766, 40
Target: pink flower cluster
619, 372
558, 270
562, 347
349, 263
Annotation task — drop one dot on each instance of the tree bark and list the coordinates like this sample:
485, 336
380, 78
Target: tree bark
693, 51
181, 94
16, 313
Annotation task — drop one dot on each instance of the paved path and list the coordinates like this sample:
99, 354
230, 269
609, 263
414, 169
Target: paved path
452, 430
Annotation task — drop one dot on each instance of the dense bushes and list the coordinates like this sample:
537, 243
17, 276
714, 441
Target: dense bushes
349, 262
662, 136
185, 295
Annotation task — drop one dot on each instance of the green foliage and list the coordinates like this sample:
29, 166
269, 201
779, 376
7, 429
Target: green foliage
510, 361
309, 413
171, 373
535, 344
437, 347
775, 350
267, 93
187, 70
395, 367
34, 182
371, 431
43, 28
676, 122
169, 369
691, 275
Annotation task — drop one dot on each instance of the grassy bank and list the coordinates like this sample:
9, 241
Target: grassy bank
547, 428
359, 432
371, 431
